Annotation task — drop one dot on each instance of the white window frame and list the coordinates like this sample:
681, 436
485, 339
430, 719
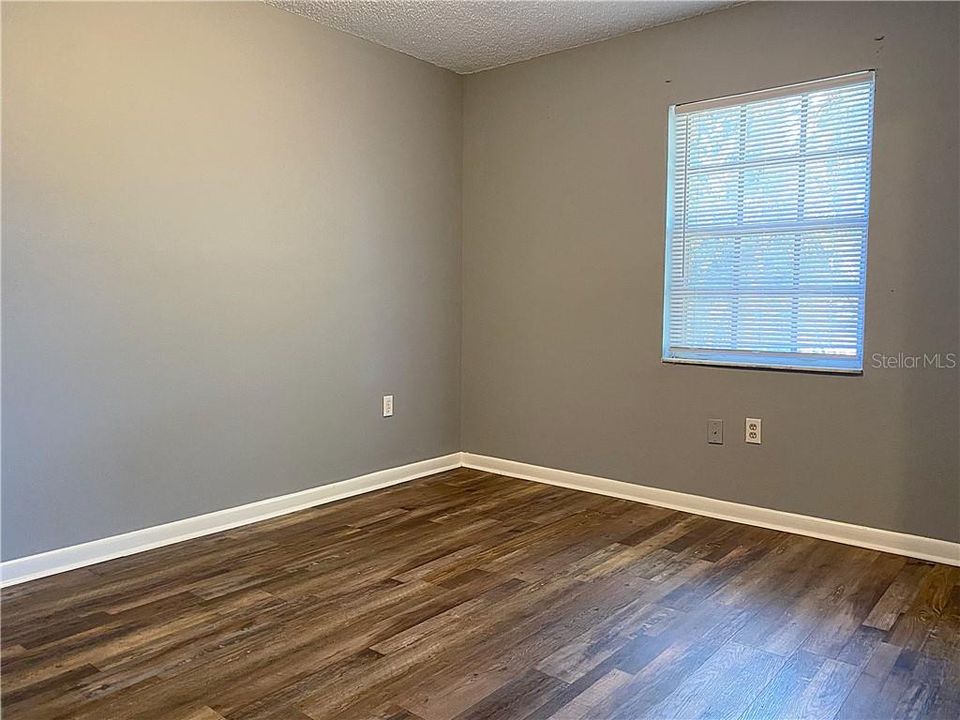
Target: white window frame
755, 359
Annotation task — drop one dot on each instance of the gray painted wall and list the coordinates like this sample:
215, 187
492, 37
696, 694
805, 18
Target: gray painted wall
227, 231
564, 171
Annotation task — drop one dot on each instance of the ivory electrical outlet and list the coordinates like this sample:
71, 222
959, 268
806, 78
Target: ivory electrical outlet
752, 430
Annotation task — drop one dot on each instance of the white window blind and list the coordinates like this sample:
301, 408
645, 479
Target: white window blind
768, 198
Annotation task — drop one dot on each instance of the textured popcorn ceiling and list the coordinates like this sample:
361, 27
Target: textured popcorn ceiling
471, 35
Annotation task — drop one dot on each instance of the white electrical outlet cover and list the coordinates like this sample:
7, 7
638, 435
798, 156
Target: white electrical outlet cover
388, 405
752, 430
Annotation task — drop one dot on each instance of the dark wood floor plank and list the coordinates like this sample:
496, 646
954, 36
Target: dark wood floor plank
825, 694
853, 600
602, 639
516, 699
723, 686
589, 703
472, 595
782, 696
898, 596
932, 598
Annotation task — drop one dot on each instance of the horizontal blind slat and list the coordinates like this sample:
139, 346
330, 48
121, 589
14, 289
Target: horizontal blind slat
767, 223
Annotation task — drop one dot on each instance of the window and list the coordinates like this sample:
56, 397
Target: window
767, 201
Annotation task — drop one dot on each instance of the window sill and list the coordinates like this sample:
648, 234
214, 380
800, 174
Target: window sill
743, 365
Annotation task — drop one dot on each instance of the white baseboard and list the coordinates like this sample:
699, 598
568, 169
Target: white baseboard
60, 560
915, 546
19, 570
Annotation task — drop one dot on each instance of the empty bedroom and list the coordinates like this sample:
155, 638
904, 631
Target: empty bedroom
480, 360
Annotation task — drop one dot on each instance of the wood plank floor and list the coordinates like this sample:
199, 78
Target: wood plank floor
470, 595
